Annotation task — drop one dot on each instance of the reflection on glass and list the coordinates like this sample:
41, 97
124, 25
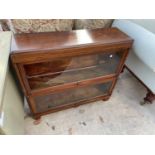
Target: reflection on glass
44, 103
73, 69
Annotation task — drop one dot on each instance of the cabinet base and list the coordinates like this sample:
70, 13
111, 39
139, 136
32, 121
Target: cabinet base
37, 120
106, 98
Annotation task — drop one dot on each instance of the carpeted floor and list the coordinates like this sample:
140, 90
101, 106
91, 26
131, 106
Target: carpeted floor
121, 114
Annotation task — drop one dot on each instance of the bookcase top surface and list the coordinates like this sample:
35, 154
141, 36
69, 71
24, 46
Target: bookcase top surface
30, 42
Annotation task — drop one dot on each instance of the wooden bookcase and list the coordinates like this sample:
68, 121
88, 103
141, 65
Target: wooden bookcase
58, 70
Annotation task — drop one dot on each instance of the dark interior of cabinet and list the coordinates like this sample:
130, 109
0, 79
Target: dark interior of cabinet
66, 70
47, 102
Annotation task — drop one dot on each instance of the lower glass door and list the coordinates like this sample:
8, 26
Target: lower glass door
47, 102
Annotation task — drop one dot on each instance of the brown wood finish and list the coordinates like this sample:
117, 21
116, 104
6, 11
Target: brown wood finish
74, 64
64, 40
72, 85
150, 97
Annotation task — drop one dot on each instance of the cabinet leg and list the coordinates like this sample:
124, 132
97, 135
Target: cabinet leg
37, 120
106, 98
150, 97
123, 69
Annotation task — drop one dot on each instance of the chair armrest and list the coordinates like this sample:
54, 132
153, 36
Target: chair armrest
144, 41
1, 27
5, 41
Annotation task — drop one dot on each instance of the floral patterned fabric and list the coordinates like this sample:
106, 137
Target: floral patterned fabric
92, 23
37, 25
49, 25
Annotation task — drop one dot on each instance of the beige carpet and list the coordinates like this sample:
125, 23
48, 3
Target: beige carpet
121, 114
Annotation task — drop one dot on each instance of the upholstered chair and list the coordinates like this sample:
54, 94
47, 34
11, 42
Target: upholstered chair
141, 59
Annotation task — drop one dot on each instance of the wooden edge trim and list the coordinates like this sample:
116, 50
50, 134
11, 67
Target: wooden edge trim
30, 57
72, 85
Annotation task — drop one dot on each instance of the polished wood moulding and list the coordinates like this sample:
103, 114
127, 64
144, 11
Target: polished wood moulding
58, 70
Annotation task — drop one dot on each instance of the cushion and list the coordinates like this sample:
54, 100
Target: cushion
38, 25
3, 25
92, 23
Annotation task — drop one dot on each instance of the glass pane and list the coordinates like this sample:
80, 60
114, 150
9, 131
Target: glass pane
47, 102
66, 70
